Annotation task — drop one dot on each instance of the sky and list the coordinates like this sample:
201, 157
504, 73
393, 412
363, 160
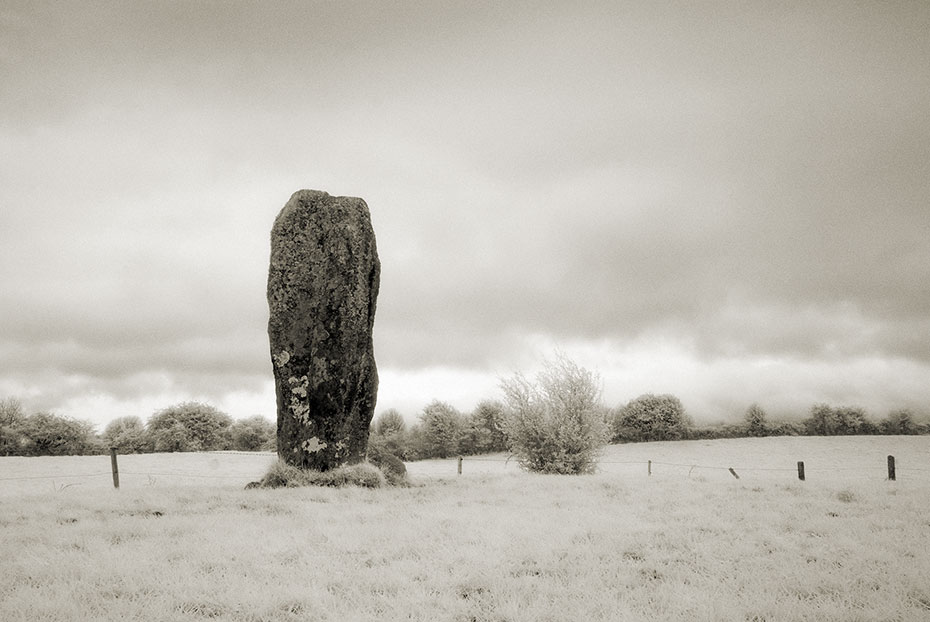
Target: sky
728, 202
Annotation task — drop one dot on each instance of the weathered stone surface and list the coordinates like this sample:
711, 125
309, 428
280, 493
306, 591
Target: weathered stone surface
322, 289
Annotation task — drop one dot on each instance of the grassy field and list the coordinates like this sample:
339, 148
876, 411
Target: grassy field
688, 543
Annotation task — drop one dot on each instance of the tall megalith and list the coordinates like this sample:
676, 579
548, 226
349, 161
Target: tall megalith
322, 288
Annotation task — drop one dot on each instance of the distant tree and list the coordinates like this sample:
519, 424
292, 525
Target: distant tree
11, 416
11, 411
651, 418
414, 443
825, 420
46, 434
720, 430
853, 420
484, 429
389, 435
555, 424
899, 422
9, 440
787, 428
822, 421
254, 433
126, 434
172, 438
389, 422
189, 426
443, 428
756, 421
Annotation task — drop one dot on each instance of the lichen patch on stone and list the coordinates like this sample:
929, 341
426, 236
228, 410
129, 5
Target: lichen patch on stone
313, 445
280, 360
300, 406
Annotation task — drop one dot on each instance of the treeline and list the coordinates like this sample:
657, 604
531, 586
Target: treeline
189, 426
822, 420
441, 431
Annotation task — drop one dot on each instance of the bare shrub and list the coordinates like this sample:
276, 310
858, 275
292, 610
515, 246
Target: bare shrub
555, 425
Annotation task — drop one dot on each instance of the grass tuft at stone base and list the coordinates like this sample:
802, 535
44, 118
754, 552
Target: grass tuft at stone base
283, 475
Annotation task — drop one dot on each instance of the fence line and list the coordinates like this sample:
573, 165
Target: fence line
121, 472
132, 474
867, 471
27, 477
183, 475
890, 469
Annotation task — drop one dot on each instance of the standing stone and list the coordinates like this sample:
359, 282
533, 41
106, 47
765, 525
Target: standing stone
322, 289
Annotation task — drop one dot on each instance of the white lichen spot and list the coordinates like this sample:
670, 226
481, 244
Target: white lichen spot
300, 406
313, 445
280, 360
299, 385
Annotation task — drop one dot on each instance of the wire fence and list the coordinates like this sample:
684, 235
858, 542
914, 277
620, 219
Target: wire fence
888, 469
28, 475
236, 468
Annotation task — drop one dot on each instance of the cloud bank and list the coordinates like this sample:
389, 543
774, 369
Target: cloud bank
727, 203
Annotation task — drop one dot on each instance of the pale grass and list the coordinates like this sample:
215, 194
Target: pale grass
483, 547
93, 473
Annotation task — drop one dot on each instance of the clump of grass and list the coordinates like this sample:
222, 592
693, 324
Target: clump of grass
283, 475
364, 474
846, 496
393, 467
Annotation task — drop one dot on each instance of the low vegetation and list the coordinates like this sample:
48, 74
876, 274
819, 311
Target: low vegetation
283, 475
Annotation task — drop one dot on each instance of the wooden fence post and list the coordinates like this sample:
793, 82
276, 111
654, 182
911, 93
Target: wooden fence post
115, 467
801, 471
460, 465
891, 473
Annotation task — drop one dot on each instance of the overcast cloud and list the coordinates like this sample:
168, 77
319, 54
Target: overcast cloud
729, 202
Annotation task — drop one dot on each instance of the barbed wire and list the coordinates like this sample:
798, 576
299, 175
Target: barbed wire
26, 477
185, 475
688, 465
266, 455
257, 454
865, 470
